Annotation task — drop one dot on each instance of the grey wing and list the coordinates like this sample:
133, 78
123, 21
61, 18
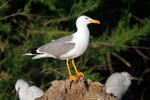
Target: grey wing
57, 47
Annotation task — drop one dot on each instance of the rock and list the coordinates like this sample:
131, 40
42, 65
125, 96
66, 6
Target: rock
80, 90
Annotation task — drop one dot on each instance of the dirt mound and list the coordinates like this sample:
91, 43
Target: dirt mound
81, 90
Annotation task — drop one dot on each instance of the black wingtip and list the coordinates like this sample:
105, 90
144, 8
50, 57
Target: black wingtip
32, 51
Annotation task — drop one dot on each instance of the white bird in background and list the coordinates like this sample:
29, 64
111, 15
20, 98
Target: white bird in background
118, 83
68, 47
27, 92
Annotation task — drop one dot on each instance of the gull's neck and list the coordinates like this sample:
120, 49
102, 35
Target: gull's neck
82, 29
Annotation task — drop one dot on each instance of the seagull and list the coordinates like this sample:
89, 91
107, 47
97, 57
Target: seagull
68, 47
27, 92
118, 83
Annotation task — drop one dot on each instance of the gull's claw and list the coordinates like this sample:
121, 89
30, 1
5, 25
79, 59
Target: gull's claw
80, 74
74, 78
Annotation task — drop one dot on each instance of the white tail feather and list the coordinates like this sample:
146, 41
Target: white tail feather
28, 54
40, 56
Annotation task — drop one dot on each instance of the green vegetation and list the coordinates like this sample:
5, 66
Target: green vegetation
28, 24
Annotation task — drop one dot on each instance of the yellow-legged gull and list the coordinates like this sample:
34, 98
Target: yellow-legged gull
68, 47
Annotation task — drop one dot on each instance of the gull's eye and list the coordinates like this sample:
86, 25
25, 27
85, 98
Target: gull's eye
86, 18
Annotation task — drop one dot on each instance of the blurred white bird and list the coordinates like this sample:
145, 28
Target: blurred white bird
118, 83
27, 92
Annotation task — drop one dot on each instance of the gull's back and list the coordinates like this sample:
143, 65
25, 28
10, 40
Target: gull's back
56, 48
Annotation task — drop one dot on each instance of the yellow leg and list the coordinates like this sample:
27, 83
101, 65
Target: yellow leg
71, 76
78, 73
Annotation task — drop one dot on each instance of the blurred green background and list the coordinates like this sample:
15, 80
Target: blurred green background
120, 43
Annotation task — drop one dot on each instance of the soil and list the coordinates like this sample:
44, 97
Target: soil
80, 90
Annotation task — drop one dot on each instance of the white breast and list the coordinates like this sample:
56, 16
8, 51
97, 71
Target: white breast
81, 40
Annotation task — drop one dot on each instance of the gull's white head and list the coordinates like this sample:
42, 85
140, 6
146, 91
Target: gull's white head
85, 20
126, 79
20, 84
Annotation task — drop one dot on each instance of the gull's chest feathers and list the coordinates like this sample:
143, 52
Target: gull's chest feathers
81, 40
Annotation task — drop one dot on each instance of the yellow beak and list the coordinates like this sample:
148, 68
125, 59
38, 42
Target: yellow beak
95, 21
